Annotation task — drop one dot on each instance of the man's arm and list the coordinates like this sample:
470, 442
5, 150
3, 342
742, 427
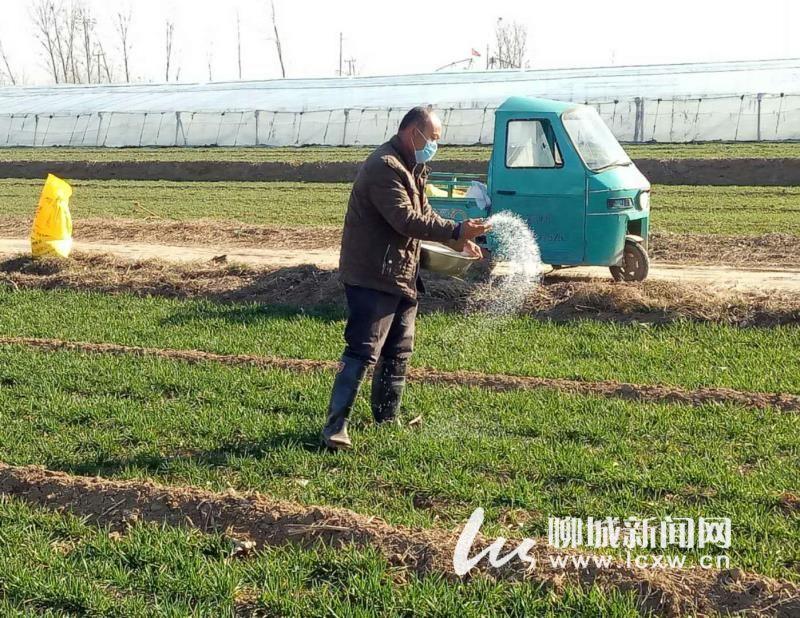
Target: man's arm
389, 196
455, 241
464, 233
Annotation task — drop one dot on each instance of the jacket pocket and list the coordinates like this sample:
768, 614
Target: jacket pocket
397, 263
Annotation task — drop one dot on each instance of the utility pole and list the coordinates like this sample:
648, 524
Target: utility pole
239, 44
341, 37
170, 32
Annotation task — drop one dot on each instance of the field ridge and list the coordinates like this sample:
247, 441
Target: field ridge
497, 382
266, 521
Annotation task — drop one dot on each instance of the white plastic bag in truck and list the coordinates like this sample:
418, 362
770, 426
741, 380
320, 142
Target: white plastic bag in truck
480, 193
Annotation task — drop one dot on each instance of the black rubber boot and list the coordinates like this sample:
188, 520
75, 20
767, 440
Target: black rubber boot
345, 388
388, 383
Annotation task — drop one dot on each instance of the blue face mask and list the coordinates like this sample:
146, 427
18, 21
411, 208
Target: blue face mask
426, 154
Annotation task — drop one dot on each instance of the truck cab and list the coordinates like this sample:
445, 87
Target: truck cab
559, 167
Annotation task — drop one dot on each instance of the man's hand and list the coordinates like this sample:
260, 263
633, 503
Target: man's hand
472, 250
472, 228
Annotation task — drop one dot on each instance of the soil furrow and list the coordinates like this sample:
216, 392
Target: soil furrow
270, 522
730, 172
498, 382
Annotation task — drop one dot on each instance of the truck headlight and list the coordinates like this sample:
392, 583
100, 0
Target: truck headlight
618, 203
644, 200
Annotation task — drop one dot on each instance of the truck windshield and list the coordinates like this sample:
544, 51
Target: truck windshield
596, 144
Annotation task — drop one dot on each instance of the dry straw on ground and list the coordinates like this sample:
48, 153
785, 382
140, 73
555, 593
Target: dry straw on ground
308, 286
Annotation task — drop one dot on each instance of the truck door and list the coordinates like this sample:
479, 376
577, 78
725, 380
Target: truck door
532, 177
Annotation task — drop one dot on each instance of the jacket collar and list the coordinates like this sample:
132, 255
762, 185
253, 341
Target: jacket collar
411, 164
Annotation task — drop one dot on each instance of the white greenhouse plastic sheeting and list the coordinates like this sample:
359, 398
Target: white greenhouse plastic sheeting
735, 101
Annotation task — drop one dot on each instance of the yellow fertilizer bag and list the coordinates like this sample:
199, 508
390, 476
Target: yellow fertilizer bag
52, 226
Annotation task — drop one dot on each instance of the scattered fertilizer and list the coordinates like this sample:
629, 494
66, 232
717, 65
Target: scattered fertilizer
519, 265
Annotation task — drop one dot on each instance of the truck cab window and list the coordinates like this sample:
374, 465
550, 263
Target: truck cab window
531, 143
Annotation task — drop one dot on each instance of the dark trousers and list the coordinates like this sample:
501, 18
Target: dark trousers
379, 324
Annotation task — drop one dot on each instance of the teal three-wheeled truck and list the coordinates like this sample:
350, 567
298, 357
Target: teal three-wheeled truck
559, 167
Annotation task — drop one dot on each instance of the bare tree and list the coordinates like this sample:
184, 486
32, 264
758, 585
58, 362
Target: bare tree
511, 42
9, 72
72, 20
88, 23
170, 31
57, 29
277, 39
64, 20
61, 56
67, 32
123, 25
41, 14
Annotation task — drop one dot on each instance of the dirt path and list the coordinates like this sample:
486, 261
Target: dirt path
786, 279
266, 521
655, 393
253, 256
759, 251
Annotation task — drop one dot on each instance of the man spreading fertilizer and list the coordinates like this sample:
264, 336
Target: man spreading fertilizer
387, 215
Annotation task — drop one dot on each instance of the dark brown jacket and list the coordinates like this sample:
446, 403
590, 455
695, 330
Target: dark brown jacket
388, 214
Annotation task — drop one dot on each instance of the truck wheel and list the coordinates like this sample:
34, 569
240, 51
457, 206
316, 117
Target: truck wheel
635, 263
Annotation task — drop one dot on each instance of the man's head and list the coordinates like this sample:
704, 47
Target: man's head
419, 127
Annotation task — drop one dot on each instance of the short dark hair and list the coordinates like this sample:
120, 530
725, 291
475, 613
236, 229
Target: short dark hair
416, 117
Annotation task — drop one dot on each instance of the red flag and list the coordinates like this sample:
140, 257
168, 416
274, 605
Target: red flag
475, 52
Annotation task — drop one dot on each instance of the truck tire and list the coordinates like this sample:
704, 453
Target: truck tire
635, 263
